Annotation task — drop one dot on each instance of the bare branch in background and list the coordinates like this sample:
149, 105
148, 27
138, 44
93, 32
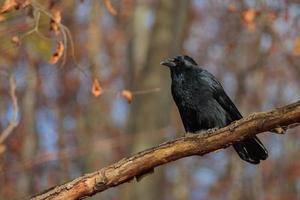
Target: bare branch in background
196, 144
13, 122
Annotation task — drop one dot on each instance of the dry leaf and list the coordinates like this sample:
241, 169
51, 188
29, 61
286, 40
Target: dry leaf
8, 5
55, 21
249, 17
96, 88
16, 40
296, 49
58, 53
126, 94
110, 7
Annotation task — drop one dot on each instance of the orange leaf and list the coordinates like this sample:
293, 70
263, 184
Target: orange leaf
296, 49
126, 94
58, 53
8, 5
249, 15
96, 88
110, 7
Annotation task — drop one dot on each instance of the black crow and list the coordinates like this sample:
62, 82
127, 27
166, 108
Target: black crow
203, 104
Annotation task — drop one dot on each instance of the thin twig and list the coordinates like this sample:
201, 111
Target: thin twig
66, 36
139, 92
13, 122
35, 29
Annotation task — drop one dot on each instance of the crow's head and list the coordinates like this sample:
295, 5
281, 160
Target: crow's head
180, 61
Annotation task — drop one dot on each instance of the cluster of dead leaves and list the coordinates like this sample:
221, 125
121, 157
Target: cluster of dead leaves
248, 16
55, 18
97, 90
55, 21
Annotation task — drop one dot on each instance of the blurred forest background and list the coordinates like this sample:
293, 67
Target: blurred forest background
90, 91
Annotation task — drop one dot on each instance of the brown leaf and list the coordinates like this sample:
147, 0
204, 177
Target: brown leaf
55, 21
8, 5
126, 94
16, 40
110, 7
296, 49
96, 88
58, 53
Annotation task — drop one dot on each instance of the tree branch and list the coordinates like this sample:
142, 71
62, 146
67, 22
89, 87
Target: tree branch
197, 144
13, 123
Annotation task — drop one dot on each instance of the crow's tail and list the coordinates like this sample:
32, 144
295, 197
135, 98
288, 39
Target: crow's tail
251, 150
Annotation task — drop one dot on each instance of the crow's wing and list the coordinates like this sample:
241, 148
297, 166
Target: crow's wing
221, 97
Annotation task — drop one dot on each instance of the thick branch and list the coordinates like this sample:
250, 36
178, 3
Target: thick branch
198, 144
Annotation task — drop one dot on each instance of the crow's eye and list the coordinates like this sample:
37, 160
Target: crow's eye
177, 61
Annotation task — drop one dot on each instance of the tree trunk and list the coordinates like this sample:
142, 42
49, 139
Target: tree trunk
150, 112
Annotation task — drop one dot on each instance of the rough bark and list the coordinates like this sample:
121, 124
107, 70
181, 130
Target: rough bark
196, 144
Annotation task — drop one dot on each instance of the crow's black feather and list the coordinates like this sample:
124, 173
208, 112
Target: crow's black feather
203, 104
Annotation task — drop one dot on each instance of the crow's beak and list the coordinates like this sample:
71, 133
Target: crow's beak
170, 62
